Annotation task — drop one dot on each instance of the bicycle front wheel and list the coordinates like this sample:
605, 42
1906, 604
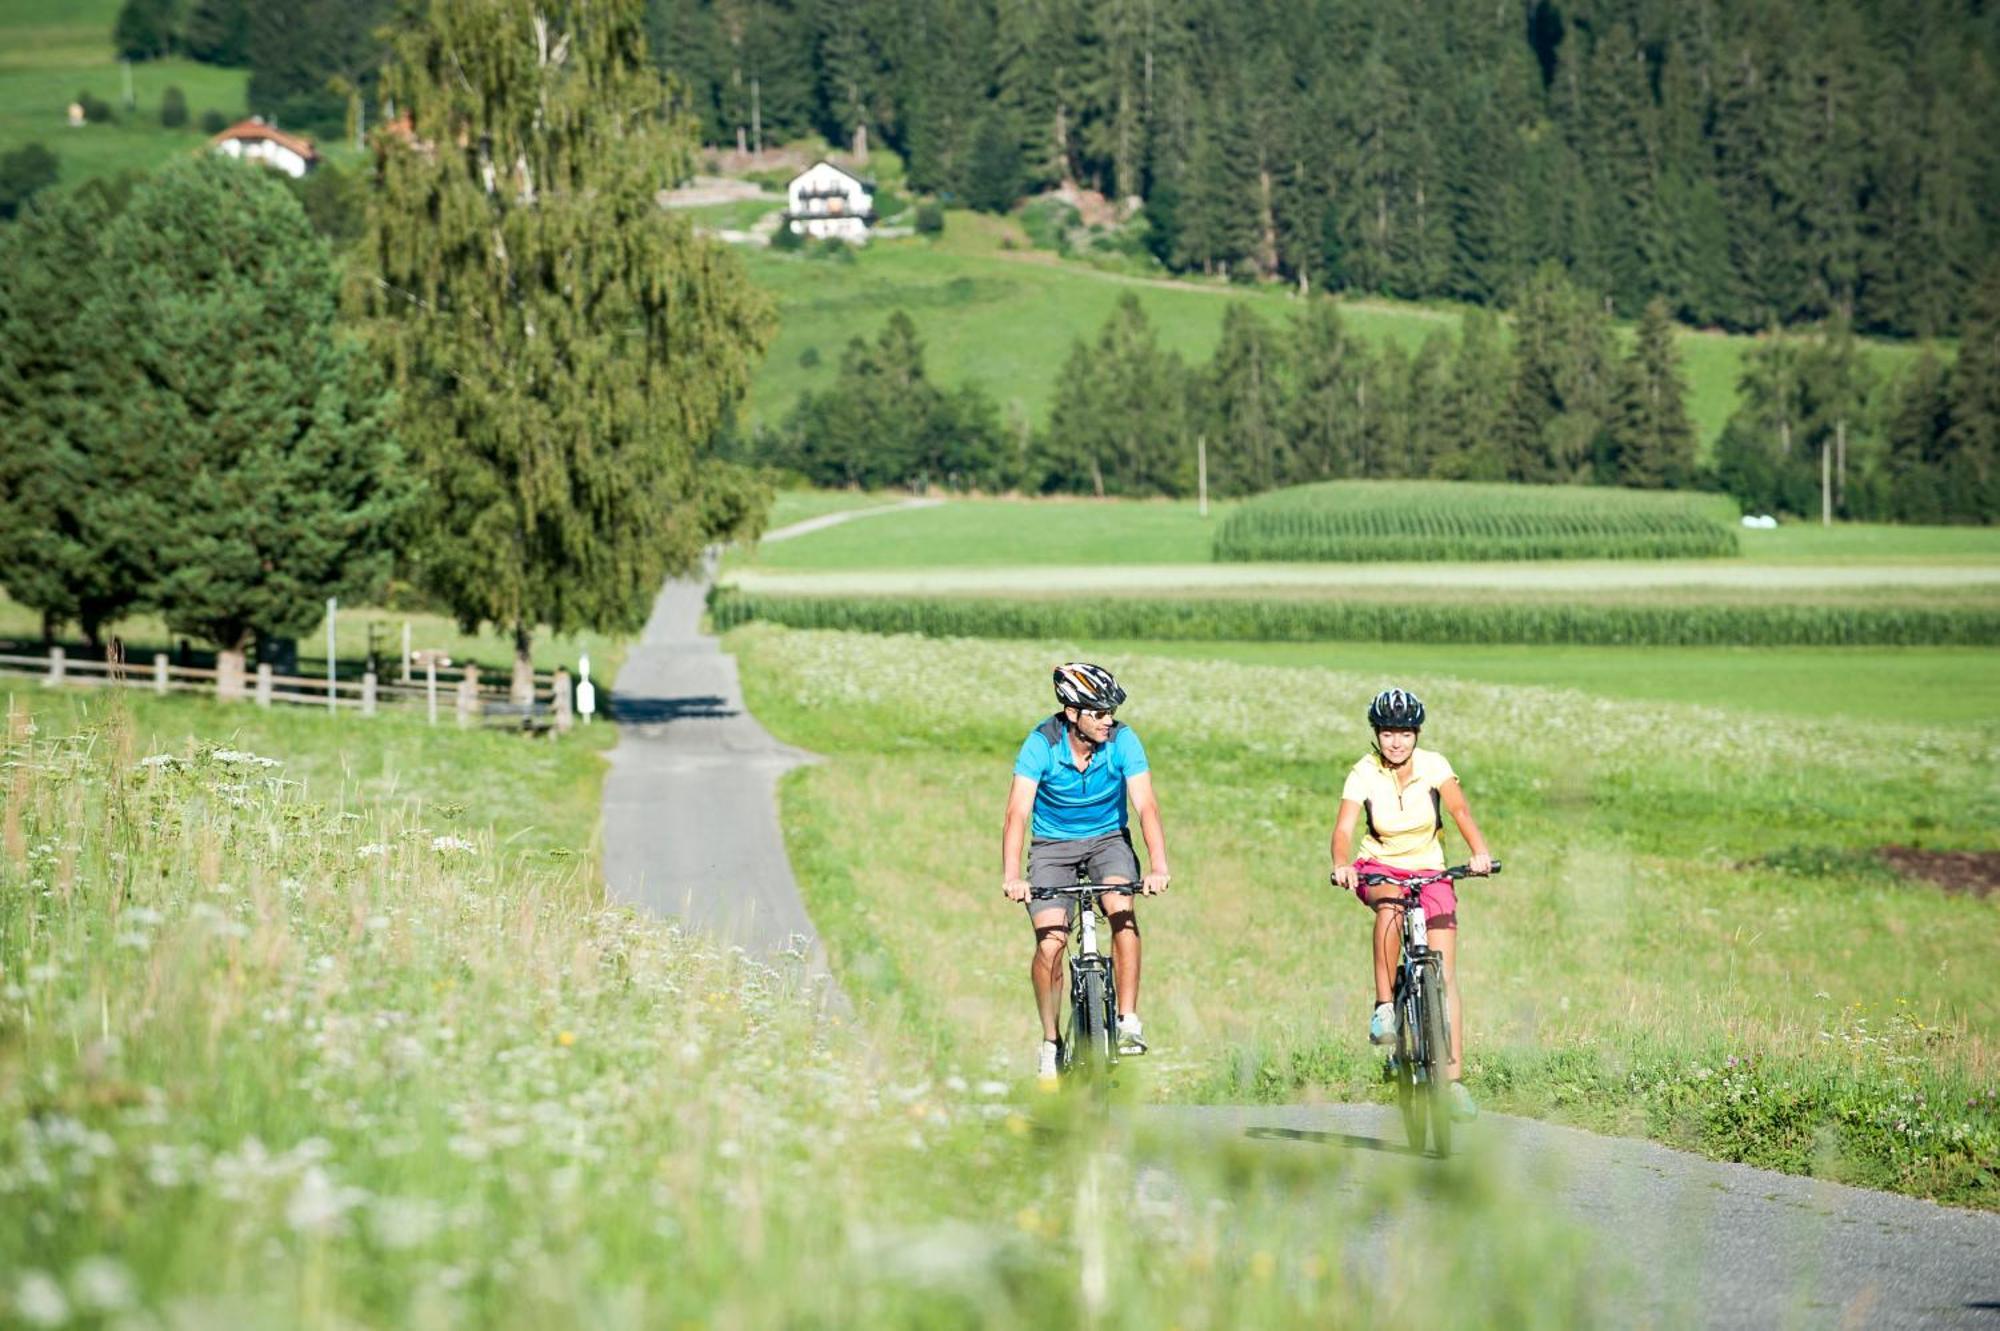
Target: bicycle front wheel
1408, 1102
1437, 1054
1093, 1032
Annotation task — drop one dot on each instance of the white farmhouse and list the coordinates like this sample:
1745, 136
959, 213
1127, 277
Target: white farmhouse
254, 141
824, 200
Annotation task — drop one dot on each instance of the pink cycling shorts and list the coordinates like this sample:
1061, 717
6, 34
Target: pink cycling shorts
1440, 901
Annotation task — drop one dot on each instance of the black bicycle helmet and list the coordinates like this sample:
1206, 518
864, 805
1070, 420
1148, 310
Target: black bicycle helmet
1081, 684
1396, 709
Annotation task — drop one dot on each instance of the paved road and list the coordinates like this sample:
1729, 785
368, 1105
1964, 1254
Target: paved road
690, 807
1704, 1243
809, 525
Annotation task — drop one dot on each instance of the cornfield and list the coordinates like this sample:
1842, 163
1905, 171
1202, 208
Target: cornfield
1777, 624
1409, 520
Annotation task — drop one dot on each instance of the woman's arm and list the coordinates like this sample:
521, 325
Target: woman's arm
1343, 843
1461, 813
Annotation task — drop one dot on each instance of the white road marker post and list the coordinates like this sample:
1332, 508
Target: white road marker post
586, 692
332, 605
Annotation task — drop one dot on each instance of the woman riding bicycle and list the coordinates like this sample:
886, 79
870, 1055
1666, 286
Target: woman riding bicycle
1403, 793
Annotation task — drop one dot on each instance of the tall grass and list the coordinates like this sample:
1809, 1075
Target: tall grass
1247, 619
268, 1059
1345, 521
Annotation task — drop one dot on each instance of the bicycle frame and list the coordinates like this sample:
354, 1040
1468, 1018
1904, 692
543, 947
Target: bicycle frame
1086, 961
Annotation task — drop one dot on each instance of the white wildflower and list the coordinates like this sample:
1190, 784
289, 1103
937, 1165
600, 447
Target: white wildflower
102, 1285
242, 758
373, 850
404, 1222
319, 1206
39, 1301
450, 844
159, 760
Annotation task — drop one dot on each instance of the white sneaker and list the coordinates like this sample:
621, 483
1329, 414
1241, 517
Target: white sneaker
1045, 1061
1130, 1038
1382, 1024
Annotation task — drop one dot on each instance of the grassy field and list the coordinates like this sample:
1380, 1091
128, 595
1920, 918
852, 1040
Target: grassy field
1006, 318
326, 1057
1928, 686
1026, 533
1693, 940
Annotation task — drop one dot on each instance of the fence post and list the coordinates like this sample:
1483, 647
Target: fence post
431, 685
405, 666
229, 676
263, 683
160, 672
564, 715
368, 693
58, 665
468, 695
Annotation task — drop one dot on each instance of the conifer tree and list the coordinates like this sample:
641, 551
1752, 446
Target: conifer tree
1481, 376
1915, 480
1244, 407
566, 352
221, 303
1652, 437
67, 547
1973, 465
1328, 416
1564, 382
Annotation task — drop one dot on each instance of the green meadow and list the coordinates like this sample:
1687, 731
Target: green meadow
1693, 940
287, 1040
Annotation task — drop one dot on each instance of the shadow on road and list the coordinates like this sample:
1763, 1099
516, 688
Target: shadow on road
1352, 1141
656, 711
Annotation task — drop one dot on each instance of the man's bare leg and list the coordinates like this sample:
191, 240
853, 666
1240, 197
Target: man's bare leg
1124, 921
1045, 969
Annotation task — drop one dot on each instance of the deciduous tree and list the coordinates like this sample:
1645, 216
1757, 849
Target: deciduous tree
566, 351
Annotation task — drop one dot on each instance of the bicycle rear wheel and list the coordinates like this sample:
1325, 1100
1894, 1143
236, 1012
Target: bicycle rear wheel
1437, 1053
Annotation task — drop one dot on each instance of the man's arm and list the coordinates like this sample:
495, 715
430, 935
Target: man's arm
1013, 833
1461, 813
1147, 805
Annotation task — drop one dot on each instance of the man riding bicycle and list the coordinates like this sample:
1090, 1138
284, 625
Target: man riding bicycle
1072, 779
1404, 792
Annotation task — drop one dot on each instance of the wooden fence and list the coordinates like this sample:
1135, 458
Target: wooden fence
467, 698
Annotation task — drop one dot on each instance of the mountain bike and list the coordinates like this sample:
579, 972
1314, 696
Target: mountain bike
1423, 1021
1089, 1042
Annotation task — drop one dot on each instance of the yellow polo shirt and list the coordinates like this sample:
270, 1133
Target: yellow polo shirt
1401, 826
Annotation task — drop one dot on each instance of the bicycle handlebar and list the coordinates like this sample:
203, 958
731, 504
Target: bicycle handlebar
1455, 872
1086, 889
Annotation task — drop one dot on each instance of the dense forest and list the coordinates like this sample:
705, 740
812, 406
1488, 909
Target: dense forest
1752, 164
1761, 163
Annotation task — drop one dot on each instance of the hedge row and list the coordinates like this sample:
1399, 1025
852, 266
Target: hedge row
1210, 620
1399, 520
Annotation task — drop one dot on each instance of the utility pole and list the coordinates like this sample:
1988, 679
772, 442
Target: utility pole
756, 116
1201, 474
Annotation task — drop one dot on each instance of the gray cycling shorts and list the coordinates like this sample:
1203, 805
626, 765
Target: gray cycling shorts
1053, 863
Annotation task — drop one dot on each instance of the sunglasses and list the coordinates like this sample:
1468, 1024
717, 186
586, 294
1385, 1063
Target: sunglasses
1097, 713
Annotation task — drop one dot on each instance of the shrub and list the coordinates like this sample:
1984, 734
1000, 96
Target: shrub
834, 248
930, 218
809, 358
784, 238
24, 173
173, 108
1219, 619
96, 110
1403, 520
213, 121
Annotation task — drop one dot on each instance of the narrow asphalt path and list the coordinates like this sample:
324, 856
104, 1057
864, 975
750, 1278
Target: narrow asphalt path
809, 525
1681, 1240
690, 806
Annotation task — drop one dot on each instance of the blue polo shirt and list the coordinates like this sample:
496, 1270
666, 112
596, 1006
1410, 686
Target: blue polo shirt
1071, 805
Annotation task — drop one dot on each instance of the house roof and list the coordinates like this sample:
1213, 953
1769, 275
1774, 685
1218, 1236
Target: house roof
865, 184
255, 128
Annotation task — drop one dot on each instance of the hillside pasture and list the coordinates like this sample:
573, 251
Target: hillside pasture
994, 311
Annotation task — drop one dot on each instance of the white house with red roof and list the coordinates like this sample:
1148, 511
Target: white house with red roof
254, 141
824, 200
